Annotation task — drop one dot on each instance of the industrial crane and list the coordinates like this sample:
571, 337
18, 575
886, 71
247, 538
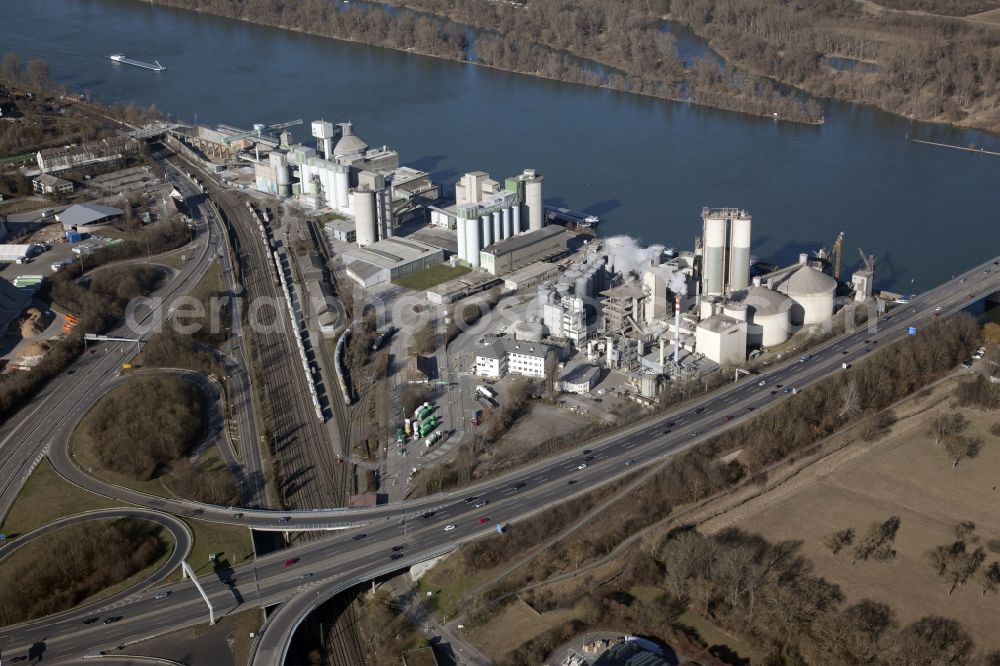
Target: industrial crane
868, 260
259, 129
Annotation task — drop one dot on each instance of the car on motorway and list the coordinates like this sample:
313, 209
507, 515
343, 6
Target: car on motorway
696, 433
699, 410
305, 575
671, 424
359, 537
284, 519
962, 280
582, 466
630, 462
289, 562
449, 527
762, 382
396, 556
472, 499
805, 358
483, 520
667, 431
162, 595
587, 452
398, 548
887, 318
481, 503
588, 458
516, 486
113, 619
90, 620
867, 349
728, 417
845, 352
751, 408
937, 311
571, 482
237, 515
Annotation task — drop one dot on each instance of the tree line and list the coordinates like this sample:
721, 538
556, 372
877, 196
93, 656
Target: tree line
75, 563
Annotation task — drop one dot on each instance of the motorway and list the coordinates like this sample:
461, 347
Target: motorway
417, 529
25, 436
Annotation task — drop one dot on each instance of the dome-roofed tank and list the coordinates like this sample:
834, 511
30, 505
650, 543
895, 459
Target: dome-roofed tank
350, 143
771, 312
528, 331
813, 291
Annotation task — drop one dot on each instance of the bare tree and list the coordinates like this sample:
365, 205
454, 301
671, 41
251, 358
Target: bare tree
877, 544
837, 541
944, 425
959, 447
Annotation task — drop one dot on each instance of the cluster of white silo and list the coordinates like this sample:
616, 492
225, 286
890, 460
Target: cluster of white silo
365, 226
725, 264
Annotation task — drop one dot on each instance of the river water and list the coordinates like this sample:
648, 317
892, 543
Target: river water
646, 166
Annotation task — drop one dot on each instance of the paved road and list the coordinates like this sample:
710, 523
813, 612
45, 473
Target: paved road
418, 527
182, 547
25, 436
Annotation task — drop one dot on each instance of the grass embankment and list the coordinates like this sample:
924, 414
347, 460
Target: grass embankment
46, 497
77, 563
430, 277
149, 453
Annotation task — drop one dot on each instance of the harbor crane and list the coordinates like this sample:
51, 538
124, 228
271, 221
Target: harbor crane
259, 129
868, 260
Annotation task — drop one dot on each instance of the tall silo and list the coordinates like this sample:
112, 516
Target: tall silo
497, 227
544, 294
487, 230
341, 183
460, 232
739, 253
282, 177
580, 286
533, 199
516, 219
473, 241
507, 230
656, 254
364, 216
714, 257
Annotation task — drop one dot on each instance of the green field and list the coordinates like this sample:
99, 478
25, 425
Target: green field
47, 496
429, 277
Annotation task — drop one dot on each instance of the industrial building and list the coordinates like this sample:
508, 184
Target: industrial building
513, 253
10, 254
12, 301
88, 215
93, 152
723, 339
579, 377
813, 294
48, 184
505, 355
389, 259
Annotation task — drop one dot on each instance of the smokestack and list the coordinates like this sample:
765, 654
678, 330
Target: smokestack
662, 359
677, 330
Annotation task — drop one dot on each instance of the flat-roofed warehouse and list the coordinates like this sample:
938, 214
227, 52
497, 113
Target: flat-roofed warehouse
512, 253
388, 259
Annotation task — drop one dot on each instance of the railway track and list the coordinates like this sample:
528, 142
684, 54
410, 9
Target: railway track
308, 467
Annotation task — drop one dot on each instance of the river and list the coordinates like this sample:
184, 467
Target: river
646, 166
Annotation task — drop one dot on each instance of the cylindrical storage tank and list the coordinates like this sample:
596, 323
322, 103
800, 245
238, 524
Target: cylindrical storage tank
528, 331
739, 253
641, 348
497, 227
708, 307
515, 222
771, 312
563, 289
533, 199
544, 293
473, 242
735, 310
364, 217
592, 282
487, 230
341, 183
326, 178
580, 286
713, 261
460, 233
507, 229
656, 254
813, 293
